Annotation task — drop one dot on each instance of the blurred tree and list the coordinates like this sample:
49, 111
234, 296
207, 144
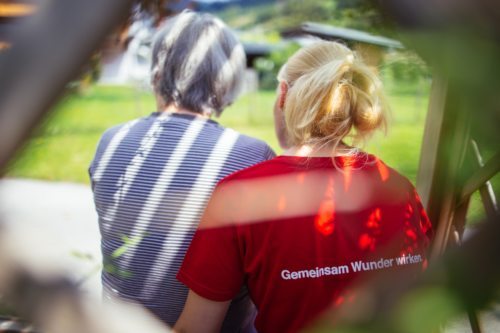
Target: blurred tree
405, 65
294, 12
269, 67
362, 15
282, 14
356, 14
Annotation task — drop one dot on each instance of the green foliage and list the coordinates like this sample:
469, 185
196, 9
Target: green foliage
269, 67
281, 56
6, 310
421, 310
436, 305
246, 18
82, 255
284, 14
295, 12
112, 269
362, 15
405, 66
128, 243
89, 74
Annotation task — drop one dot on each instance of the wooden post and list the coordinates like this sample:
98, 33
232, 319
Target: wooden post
444, 144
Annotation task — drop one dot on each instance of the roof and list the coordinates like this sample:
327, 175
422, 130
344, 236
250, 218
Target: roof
258, 49
331, 32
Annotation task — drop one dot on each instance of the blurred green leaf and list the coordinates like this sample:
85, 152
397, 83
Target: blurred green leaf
425, 310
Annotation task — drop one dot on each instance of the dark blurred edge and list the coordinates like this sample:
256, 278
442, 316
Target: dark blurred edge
438, 14
45, 57
48, 51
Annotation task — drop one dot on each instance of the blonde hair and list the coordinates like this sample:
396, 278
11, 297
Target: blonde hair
331, 94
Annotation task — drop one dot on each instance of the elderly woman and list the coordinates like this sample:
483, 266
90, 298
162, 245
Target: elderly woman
152, 176
301, 229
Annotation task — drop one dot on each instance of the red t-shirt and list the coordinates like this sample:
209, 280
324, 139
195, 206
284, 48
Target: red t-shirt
298, 231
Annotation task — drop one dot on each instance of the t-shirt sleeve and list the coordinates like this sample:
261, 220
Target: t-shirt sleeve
212, 267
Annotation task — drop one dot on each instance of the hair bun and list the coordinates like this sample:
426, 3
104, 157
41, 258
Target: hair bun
335, 112
367, 117
331, 92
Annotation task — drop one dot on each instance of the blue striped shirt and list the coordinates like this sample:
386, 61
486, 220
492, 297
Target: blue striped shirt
152, 178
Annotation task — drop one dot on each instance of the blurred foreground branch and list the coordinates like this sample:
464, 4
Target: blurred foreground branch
47, 52
467, 277
39, 290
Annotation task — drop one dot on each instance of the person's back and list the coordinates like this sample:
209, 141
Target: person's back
152, 176
307, 230
302, 229
151, 183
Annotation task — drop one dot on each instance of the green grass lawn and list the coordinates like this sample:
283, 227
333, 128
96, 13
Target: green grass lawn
63, 147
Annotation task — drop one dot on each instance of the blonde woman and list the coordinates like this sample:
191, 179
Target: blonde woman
299, 230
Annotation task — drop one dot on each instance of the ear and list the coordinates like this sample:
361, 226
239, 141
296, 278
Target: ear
283, 90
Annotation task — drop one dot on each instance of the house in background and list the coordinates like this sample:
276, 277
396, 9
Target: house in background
129, 63
371, 47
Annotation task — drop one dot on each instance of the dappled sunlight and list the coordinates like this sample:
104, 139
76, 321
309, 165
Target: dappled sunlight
367, 240
347, 177
383, 170
282, 203
339, 301
374, 219
289, 195
301, 178
349, 164
416, 231
325, 219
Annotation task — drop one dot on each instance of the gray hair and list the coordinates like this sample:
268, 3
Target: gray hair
197, 63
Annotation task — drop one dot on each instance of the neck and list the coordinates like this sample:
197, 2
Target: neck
312, 151
171, 108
